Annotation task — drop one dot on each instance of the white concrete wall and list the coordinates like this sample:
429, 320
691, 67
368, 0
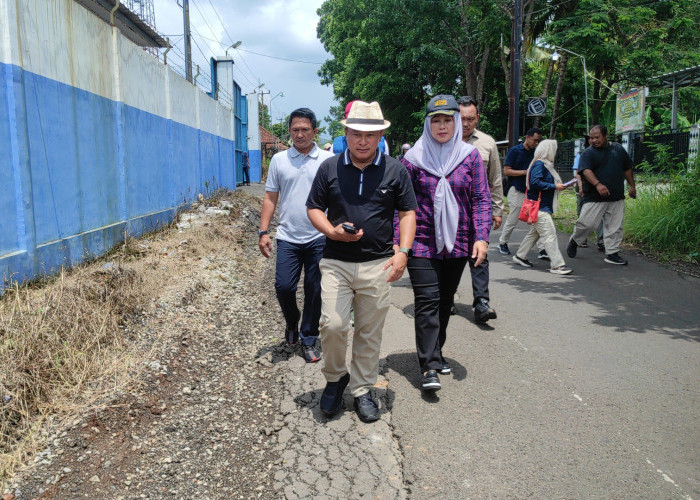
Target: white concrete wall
253, 122
63, 41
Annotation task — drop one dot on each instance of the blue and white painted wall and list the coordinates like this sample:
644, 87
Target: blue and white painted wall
98, 138
254, 151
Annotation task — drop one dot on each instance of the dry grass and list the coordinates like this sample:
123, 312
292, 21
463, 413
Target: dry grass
61, 346
64, 345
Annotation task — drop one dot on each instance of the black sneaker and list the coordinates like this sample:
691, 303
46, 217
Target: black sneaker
571, 249
483, 311
614, 258
503, 248
543, 255
522, 262
332, 397
445, 368
366, 408
431, 382
312, 354
601, 247
453, 310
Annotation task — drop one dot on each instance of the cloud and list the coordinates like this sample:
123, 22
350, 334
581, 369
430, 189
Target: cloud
283, 29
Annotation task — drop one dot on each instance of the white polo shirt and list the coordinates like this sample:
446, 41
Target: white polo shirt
291, 175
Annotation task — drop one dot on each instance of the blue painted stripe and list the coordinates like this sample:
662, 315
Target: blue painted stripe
255, 165
11, 220
83, 168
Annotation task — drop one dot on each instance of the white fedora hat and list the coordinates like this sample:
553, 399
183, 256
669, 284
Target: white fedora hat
366, 117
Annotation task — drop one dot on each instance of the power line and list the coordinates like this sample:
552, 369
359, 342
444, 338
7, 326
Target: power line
200, 49
203, 18
248, 67
280, 58
250, 71
230, 39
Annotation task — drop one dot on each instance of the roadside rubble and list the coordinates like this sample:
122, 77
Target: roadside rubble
221, 407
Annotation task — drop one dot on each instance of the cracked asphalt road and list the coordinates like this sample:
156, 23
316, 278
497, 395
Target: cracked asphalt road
584, 387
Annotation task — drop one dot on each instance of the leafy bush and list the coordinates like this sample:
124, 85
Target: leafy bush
665, 217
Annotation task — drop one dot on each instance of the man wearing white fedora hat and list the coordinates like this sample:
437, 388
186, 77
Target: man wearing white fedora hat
352, 201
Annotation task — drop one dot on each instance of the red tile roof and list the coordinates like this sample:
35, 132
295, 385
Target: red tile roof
270, 141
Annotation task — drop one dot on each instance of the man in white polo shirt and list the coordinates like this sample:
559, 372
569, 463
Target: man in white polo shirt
299, 244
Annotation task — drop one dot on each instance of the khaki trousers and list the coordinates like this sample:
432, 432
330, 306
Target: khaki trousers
515, 201
363, 286
611, 213
545, 232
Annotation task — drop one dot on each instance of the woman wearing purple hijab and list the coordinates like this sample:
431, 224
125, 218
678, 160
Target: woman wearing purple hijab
453, 221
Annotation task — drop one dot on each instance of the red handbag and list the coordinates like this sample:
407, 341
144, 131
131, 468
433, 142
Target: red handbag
529, 209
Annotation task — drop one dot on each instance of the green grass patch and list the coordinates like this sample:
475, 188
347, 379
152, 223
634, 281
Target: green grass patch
565, 217
665, 217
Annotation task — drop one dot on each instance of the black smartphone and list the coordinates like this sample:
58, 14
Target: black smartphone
349, 229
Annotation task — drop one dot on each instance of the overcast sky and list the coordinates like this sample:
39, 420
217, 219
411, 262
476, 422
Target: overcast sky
284, 29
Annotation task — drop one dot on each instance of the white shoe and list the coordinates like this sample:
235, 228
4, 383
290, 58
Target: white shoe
561, 270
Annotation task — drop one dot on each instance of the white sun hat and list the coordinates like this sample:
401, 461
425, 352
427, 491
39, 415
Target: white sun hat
365, 117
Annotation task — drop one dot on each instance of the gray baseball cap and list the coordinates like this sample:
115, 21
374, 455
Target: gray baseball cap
442, 104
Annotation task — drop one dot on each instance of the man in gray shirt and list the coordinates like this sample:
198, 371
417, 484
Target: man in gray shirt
299, 244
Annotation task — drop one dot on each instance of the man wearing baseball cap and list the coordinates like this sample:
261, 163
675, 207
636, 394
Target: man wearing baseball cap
352, 202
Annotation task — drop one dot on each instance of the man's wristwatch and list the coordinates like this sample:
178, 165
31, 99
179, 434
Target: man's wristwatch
407, 251
262, 233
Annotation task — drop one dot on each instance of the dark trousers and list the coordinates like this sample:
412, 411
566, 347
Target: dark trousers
246, 175
434, 285
480, 280
291, 258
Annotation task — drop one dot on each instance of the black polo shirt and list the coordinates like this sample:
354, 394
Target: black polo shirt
609, 165
367, 198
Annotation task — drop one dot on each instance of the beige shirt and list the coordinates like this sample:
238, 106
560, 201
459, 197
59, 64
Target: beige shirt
488, 150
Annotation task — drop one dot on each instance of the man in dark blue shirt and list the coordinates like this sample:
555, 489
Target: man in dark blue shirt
515, 167
603, 168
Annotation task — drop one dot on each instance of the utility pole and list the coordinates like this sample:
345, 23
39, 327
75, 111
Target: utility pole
263, 93
514, 98
188, 39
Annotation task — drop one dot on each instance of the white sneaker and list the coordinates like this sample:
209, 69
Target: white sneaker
561, 270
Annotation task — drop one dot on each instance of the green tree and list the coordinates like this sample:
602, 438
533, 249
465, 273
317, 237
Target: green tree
626, 42
333, 120
264, 116
281, 130
401, 52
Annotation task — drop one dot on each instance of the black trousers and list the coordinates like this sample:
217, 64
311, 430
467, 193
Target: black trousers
434, 285
291, 258
480, 280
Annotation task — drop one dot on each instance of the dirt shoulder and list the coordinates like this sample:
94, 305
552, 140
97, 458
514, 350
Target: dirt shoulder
219, 407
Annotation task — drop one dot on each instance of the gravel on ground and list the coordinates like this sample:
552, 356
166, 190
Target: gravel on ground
222, 408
